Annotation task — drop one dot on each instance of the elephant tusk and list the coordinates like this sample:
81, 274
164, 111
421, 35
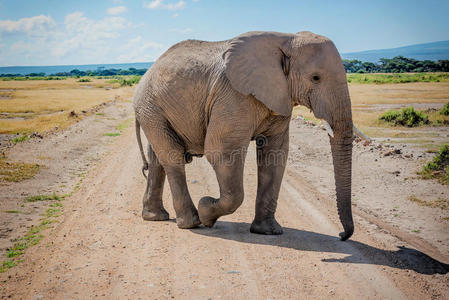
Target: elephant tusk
360, 134
328, 128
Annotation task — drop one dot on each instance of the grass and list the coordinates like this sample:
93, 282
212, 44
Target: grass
445, 110
43, 105
439, 166
125, 124
125, 80
17, 171
21, 138
439, 203
13, 211
408, 116
32, 237
7, 264
397, 78
44, 198
112, 134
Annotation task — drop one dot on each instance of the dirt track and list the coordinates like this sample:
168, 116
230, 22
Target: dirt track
103, 248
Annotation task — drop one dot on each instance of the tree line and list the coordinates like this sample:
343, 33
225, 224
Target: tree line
78, 73
398, 64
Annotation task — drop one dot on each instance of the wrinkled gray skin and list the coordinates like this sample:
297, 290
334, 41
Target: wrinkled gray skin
213, 98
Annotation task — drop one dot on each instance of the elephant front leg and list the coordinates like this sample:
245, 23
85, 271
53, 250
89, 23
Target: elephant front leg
272, 155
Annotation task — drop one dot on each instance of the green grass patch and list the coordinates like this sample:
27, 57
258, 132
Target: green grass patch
397, 78
439, 166
7, 264
21, 138
445, 110
100, 114
84, 80
408, 116
112, 134
17, 171
32, 237
125, 124
52, 212
45, 198
125, 80
12, 211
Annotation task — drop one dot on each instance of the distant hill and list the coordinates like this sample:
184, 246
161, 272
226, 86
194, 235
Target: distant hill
428, 51
67, 68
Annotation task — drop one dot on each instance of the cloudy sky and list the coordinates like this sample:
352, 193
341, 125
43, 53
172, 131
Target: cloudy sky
54, 32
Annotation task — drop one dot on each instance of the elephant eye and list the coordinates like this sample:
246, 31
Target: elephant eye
316, 78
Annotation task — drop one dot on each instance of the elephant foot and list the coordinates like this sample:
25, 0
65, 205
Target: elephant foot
188, 220
155, 215
206, 211
266, 226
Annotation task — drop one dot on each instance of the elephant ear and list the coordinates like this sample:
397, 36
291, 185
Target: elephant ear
254, 66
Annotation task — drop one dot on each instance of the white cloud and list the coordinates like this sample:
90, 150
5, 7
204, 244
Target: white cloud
159, 4
87, 35
28, 25
76, 40
175, 15
138, 50
116, 10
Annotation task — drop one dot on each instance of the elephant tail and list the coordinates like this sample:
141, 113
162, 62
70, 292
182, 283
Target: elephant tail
142, 153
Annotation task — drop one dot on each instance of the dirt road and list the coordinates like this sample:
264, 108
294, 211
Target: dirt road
102, 247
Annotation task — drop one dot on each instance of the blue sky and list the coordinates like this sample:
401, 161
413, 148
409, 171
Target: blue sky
52, 32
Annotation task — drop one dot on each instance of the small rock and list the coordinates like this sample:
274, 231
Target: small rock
366, 143
194, 181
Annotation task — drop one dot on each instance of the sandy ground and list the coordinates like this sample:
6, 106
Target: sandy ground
102, 248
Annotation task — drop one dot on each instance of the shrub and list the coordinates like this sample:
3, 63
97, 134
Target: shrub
445, 110
84, 80
439, 166
129, 81
406, 117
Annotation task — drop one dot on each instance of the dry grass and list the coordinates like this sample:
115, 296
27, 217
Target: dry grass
17, 171
369, 101
41, 105
439, 203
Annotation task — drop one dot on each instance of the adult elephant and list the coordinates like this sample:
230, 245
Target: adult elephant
213, 98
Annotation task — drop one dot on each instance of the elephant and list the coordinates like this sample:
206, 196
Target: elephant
213, 98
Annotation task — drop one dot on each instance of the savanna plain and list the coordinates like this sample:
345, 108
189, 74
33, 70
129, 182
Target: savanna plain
71, 190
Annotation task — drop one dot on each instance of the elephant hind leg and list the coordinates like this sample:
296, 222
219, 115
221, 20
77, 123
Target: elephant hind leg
230, 178
153, 208
186, 213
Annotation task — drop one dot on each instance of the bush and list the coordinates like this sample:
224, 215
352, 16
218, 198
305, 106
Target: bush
406, 117
84, 80
129, 81
439, 166
445, 110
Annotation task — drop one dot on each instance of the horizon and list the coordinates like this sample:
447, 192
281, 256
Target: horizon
119, 32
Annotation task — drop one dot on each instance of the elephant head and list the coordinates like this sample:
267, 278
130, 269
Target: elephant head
284, 70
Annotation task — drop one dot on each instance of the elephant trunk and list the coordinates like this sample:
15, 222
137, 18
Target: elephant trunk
341, 147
